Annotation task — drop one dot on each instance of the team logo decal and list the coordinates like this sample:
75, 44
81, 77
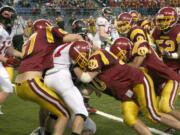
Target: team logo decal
92, 64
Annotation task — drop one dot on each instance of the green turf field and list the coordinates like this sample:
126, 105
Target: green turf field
20, 117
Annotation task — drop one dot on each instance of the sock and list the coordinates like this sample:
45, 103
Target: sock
74, 133
47, 133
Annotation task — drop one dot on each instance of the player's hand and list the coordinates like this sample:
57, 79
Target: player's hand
13, 61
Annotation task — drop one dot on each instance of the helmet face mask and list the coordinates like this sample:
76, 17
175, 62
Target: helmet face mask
166, 18
124, 23
122, 48
164, 22
124, 27
80, 53
82, 60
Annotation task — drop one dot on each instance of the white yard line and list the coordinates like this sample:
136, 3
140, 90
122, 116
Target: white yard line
119, 119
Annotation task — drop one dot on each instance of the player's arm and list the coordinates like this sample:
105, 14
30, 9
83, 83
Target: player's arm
139, 52
102, 32
85, 77
66, 36
72, 37
137, 61
13, 52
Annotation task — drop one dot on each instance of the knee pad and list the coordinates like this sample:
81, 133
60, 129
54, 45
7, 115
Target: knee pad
82, 116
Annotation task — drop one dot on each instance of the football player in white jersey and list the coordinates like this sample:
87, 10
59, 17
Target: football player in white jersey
105, 31
80, 27
7, 17
59, 78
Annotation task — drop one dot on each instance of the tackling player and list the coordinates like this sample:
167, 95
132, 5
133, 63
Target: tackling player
126, 84
140, 54
37, 52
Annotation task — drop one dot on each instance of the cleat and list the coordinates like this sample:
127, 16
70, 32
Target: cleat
91, 110
170, 130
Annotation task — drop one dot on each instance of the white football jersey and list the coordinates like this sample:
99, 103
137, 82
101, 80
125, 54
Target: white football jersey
5, 40
101, 21
61, 58
109, 29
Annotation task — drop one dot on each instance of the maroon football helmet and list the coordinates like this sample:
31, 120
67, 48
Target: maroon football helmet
124, 22
135, 15
166, 18
80, 53
122, 48
41, 24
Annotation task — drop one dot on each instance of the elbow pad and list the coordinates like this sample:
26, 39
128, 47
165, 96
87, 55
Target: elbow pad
85, 77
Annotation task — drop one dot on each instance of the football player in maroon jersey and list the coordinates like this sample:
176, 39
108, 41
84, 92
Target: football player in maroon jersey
37, 52
140, 54
167, 36
126, 84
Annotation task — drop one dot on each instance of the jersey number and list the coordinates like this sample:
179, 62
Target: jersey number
166, 45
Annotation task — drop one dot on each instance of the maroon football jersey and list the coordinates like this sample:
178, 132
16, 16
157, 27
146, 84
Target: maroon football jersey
118, 78
152, 61
38, 49
168, 42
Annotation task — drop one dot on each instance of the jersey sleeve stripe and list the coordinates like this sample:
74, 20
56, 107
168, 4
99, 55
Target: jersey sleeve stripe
32, 43
49, 35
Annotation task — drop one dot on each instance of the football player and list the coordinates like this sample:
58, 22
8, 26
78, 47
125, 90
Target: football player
136, 16
80, 27
59, 78
126, 84
104, 33
37, 52
167, 36
140, 54
141, 31
91, 25
124, 22
7, 17
146, 24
